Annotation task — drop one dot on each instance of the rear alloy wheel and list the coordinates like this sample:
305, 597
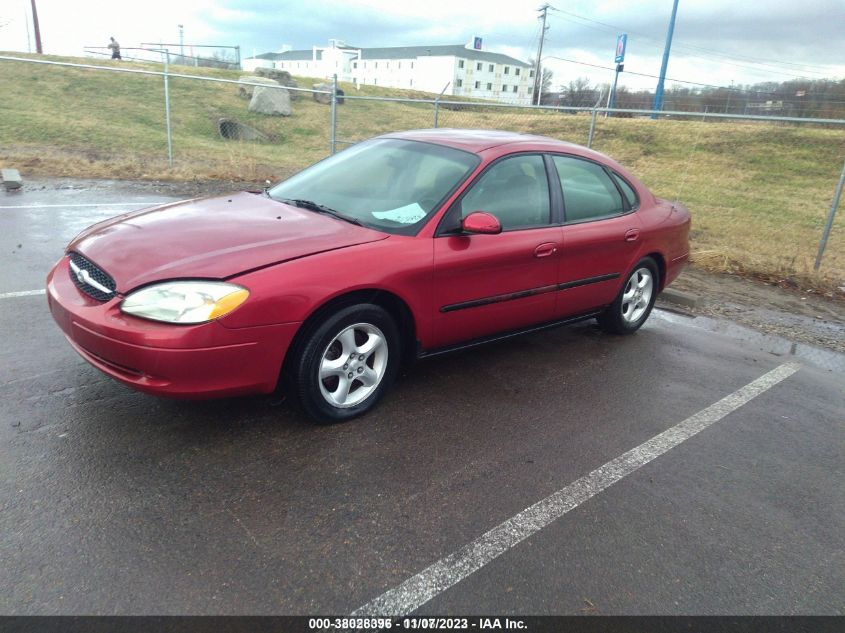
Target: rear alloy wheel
347, 363
634, 302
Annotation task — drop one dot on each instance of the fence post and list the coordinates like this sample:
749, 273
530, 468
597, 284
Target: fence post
437, 103
592, 129
334, 114
167, 107
830, 216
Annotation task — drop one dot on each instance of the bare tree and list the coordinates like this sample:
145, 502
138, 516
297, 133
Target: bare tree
545, 86
579, 93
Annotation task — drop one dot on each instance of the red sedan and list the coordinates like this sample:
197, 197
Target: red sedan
400, 247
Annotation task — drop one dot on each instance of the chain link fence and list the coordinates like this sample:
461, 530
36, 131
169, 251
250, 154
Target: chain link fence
760, 188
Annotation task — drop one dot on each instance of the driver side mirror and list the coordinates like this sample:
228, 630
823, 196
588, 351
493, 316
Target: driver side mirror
481, 222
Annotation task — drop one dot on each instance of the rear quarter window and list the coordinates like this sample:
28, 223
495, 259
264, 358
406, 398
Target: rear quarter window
627, 191
588, 192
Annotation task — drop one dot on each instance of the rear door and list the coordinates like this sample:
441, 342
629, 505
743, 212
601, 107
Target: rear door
601, 235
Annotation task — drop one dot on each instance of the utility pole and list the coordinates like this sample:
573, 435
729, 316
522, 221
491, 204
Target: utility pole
658, 94
182, 42
36, 29
538, 76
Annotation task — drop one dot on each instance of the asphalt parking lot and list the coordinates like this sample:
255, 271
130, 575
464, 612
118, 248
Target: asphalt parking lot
114, 502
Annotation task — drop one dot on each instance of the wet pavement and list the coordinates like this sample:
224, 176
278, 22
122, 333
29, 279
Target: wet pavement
114, 502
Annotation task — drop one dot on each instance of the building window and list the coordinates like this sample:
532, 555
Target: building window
412, 82
412, 65
478, 66
459, 83
490, 68
354, 64
375, 82
387, 65
477, 85
489, 86
514, 88
460, 63
504, 88
376, 65
400, 65
516, 71
507, 70
531, 74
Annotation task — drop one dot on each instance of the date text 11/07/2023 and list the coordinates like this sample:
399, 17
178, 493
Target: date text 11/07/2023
412, 623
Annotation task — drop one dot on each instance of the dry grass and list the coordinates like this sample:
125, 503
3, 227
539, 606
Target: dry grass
759, 193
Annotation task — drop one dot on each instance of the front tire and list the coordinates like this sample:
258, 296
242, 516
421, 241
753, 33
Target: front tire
634, 302
346, 363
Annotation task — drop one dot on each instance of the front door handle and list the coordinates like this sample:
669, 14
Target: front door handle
631, 235
545, 249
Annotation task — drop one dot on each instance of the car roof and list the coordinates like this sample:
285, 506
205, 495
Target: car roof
480, 140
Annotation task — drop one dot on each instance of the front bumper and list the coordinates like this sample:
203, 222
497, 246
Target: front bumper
180, 361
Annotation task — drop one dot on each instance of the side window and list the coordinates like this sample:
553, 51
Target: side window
515, 190
588, 192
628, 190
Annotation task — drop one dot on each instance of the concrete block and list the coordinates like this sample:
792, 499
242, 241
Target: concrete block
681, 298
12, 179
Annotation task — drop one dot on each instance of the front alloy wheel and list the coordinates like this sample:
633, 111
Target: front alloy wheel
353, 365
345, 362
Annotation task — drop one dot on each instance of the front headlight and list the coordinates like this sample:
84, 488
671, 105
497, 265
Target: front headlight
185, 301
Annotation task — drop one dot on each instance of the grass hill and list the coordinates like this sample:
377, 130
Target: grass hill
758, 192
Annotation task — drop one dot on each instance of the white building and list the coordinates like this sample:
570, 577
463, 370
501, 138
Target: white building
462, 70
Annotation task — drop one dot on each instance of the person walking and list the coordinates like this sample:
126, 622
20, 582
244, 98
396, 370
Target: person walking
115, 49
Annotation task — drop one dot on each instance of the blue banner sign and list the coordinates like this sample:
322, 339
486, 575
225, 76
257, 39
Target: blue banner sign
621, 43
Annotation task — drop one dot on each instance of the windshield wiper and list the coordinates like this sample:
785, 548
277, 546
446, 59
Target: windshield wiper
320, 208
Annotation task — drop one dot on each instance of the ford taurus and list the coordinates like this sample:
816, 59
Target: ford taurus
399, 247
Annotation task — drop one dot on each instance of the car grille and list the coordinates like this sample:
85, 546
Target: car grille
95, 275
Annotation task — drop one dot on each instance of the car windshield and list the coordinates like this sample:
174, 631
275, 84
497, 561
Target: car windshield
388, 184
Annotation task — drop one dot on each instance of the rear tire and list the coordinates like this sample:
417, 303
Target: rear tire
346, 363
635, 300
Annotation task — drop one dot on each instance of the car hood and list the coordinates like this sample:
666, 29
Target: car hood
211, 238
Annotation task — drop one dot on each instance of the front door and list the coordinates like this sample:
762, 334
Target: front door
485, 284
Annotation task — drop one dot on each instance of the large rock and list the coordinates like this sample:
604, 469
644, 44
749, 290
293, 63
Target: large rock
273, 73
282, 77
246, 91
320, 97
291, 83
272, 101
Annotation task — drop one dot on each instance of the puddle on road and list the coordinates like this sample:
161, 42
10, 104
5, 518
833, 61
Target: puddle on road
825, 359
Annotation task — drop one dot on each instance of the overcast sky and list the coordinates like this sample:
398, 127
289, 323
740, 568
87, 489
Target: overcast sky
716, 41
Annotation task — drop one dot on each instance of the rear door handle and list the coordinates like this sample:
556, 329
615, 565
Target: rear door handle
545, 249
631, 235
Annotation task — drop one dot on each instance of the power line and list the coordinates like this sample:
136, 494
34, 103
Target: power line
680, 81
769, 64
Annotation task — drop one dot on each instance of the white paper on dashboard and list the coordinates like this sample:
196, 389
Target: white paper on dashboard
405, 215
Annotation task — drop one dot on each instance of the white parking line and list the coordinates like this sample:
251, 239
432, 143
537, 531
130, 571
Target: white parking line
21, 293
98, 204
448, 571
